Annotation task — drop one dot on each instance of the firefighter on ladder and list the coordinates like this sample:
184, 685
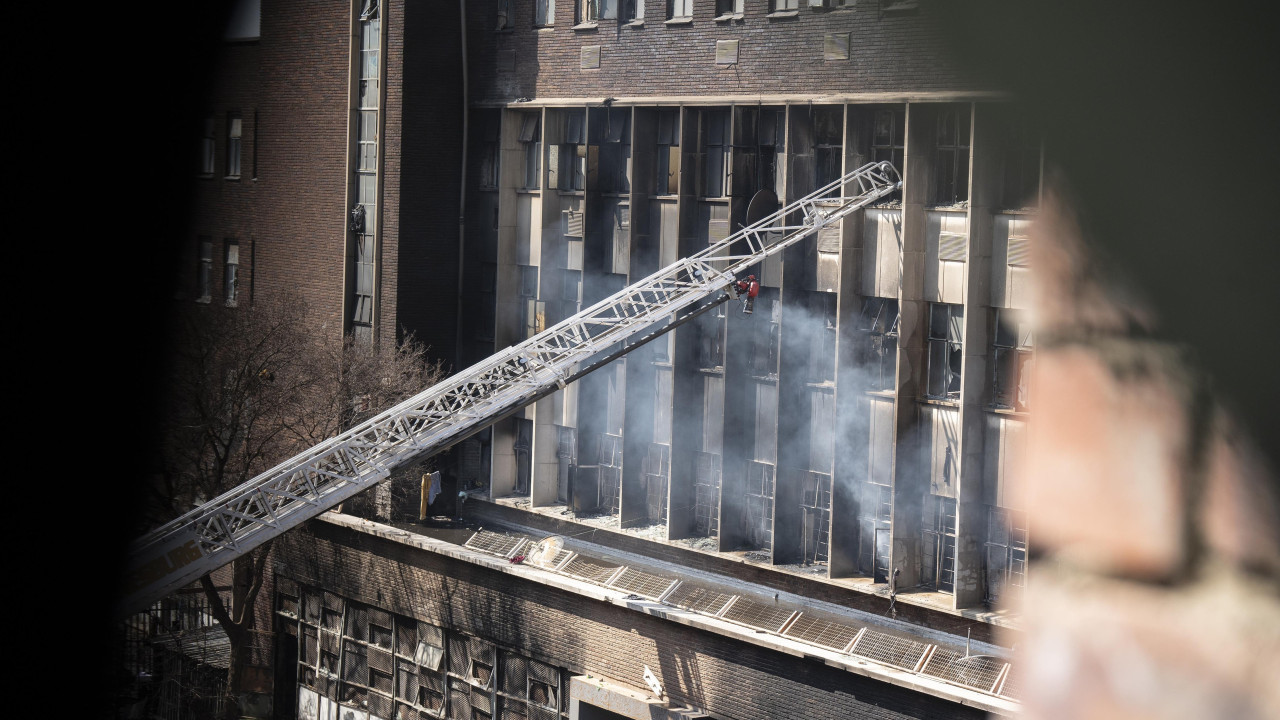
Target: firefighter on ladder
747, 290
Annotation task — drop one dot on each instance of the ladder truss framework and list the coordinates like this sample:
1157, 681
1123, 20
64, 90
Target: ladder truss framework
321, 477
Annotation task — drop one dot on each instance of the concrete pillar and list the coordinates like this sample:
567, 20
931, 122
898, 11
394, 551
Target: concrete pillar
984, 196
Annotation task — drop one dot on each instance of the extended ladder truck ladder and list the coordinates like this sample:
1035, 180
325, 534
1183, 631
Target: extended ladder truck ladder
302, 487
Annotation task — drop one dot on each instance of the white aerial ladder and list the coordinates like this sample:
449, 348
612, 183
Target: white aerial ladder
302, 487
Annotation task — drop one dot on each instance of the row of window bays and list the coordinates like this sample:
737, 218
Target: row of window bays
703, 420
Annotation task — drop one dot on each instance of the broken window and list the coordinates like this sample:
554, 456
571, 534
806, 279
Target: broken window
815, 508
946, 333
542, 694
506, 18
204, 269
428, 656
938, 550
1021, 163
758, 509
233, 145
679, 9
875, 520
888, 142
571, 292
711, 338
952, 166
206, 147
610, 164
767, 336
822, 350
706, 491
523, 448
667, 154
656, 476
878, 325
1012, 360
544, 12
488, 139
828, 138
573, 152
715, 153
481, 674
528, 281
1006, 556
531, 142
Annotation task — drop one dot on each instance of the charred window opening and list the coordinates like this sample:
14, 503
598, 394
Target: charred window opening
667, 153
487, 135
767, 336
946, 333
611, 133
610, 462
706, 491
758, 509
711, 339
1006, 554
875, 523
1012, 360
656, 477
828, 146
822, 350
531, 143
815, 508
878, 325
523, 448
481, 674
1021, 163
952, 166
759, 139
572, 171
938, 549
715, 141
888, 142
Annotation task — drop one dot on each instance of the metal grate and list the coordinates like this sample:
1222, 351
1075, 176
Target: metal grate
1010, 688
821, 632
515, 674
583, 568
642, 583
496, 543
553, 561
975, 671
758, 615
890, 650
698, 599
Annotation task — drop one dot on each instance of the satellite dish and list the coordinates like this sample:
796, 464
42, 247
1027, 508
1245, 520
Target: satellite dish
763, 204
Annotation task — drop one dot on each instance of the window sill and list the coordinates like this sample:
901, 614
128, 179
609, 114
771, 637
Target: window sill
586, 26
938, 402
1011, 412
577, 193
783, 14
636, 24
727, 17
881, 393
528, 191
662, 363
717, 371
235, 178
504, 31
669, 197
713, 199
679, 21
772, 378
544, 27
821, 384
204, 176
205, 300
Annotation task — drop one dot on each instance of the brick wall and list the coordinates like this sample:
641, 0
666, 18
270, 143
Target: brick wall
889, 52
587, 636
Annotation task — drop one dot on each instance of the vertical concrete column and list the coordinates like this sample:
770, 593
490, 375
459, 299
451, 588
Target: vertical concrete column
851, 434
909, 483
507, 325
984, 194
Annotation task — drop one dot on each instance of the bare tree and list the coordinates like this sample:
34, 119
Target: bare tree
251, 386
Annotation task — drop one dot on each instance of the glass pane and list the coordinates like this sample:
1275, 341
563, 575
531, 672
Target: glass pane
955, 328
937, 368
369, 125
938, 318
946, 129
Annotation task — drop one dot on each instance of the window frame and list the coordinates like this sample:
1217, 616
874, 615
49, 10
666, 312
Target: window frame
204, 269
950, 340
231, 271
1014, 339
235, 133
208, 147
951, 183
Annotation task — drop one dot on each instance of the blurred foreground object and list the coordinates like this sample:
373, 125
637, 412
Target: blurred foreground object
1157, 518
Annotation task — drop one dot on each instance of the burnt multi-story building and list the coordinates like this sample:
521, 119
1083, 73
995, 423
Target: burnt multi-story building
852, 445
